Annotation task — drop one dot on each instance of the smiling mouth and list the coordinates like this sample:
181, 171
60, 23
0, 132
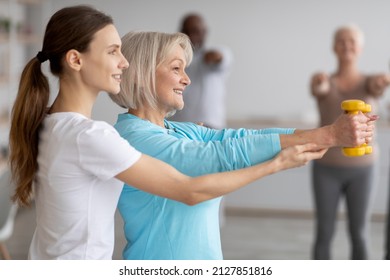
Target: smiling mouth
117, 77
180, 92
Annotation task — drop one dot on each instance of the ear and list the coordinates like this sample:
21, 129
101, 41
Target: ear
73, 59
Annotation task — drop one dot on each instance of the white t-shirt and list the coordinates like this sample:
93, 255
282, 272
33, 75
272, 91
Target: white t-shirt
76, 194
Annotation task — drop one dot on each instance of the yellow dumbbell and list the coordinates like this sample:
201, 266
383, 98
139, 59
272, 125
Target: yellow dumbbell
354, 106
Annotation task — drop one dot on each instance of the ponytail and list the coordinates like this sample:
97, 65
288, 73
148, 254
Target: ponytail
69, 28
28, 113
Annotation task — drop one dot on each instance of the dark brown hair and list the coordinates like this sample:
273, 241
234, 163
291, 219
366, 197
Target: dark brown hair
69, 28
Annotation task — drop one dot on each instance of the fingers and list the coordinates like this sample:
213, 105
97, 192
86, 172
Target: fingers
369, 132
310, 151
320, 83
306, 147
364, 128
368, 129
352, 130
299, 155
383, 80
372, 117
364, 136
320, 77
379, 82
316, 154
213, 57
387, 79
368, 140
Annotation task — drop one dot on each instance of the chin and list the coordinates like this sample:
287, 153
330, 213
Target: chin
113, 91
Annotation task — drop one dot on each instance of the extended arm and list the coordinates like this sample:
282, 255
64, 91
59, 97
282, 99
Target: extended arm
223, 134
320, 84
377, 84
348, 130
221, 58
156, 177
195, 150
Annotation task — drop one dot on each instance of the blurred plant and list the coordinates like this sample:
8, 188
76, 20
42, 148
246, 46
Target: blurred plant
5, 25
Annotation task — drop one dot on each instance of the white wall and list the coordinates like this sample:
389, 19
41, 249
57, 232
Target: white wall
277, 45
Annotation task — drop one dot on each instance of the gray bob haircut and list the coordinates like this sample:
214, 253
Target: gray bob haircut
145, 51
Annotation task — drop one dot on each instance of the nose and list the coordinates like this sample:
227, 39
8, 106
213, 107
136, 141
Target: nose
186, 80
124, 63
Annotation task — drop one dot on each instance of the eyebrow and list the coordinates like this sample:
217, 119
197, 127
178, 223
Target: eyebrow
113, 46
177, 58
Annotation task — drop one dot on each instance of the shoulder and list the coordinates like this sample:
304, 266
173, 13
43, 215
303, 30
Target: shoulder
130, 126
88, 133
192, 131
91, 128
103, 139
186, 126
74, 124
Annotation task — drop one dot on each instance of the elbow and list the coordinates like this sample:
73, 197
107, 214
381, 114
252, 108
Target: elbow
192, 198
191, 193
190, 203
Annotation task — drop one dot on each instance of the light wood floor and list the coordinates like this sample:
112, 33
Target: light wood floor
243, 238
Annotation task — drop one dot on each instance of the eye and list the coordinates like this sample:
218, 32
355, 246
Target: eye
113, 51
176, 69
177, 66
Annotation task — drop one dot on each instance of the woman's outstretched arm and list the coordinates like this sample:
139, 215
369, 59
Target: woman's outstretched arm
348, 130
156, 177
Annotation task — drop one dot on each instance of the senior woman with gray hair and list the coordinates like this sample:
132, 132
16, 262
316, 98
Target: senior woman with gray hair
152, 89
335, 176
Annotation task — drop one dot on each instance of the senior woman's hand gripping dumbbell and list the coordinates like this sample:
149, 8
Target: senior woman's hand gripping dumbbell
354, 106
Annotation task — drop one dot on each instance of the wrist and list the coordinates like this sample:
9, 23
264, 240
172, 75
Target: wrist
328, 136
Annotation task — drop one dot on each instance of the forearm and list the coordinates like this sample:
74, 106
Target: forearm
220, 135
348, 130
195, 157
222, 183
377, 84
214, 185
324, 137
156, 177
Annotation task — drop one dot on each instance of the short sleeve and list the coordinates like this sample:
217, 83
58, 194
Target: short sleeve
103, 152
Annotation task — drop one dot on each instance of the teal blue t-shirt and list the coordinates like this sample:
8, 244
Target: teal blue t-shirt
159, 228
